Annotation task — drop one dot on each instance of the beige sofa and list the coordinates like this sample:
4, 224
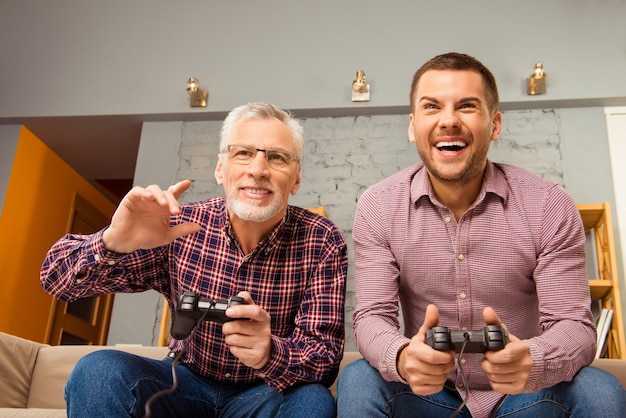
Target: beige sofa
32, 375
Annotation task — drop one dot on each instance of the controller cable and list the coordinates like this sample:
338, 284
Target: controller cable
459, 363
175, 363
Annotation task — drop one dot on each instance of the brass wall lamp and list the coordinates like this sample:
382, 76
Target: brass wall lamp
198, 97
536, 83
360, 88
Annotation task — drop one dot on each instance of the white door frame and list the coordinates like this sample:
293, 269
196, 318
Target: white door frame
616, 127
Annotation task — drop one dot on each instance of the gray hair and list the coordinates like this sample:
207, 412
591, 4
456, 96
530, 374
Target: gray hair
262, 110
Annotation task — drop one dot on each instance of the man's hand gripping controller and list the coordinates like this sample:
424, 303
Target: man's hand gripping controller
491, 337
192, 307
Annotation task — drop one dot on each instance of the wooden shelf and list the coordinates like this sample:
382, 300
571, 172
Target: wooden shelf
600, 289
591, 215
597, 221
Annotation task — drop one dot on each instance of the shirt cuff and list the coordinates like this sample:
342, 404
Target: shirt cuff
536, 378
95, 258
274, 371
99, 254
390, 371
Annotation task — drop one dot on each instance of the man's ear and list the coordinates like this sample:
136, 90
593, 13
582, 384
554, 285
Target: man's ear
411, 133
296, 185
219, 177
496, 126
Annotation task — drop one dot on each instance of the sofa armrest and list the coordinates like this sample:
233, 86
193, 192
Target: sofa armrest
16, 368
617, 367
55, 363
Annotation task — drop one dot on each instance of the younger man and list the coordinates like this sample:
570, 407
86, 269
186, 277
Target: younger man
461, 242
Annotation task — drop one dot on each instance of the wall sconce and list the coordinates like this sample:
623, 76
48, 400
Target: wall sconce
536, 83
198, 96
360, 88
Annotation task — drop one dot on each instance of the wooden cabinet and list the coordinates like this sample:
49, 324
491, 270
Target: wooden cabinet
605, 287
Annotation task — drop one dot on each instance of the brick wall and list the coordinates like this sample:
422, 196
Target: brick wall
345, 155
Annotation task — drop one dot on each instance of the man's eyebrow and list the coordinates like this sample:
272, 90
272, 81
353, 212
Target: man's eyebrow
470, 99
463, 100
428, 98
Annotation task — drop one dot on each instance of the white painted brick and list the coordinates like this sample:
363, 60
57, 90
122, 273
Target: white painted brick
343, 156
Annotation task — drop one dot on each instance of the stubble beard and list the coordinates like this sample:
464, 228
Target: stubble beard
472, 167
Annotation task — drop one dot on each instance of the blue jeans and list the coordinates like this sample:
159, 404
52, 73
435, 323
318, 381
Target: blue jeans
362, 392
113, 383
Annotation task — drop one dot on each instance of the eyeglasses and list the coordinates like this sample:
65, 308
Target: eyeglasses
244, 154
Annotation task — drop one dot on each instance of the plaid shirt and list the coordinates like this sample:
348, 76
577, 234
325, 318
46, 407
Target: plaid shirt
297, 273
519, 249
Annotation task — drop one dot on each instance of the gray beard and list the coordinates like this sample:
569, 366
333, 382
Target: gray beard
250, 212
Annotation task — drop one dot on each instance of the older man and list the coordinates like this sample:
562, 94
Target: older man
288, 264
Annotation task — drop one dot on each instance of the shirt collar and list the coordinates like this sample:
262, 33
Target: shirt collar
268, 242
494, 181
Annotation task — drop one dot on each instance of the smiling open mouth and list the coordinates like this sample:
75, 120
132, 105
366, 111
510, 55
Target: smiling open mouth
451, 146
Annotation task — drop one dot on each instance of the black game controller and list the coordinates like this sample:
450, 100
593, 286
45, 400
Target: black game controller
491, 337
192, 307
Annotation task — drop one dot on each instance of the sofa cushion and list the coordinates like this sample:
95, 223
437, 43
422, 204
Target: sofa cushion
617, 367
16, 368
55, 363
348, 357
32, 413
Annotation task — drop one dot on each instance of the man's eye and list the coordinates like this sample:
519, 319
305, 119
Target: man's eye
243, 154
277, 156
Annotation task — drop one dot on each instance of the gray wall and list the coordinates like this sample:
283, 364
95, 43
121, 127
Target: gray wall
76, 57
344, 155
119, 57
9, 135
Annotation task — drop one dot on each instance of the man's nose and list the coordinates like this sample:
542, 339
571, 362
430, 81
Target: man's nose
259, 165
449, 119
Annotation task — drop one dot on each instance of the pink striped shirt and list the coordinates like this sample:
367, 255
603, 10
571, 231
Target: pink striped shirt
297, 273
519, 249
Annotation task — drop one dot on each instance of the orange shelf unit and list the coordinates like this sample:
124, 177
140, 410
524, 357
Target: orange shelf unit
606, 286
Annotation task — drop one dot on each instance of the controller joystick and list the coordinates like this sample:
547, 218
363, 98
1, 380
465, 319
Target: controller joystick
491, 337
192, 307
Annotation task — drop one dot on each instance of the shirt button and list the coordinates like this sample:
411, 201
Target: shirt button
227, 375
447, 219
461, 257
111, 262
262, 375
463, 361
460, 384
462, 295
97, 257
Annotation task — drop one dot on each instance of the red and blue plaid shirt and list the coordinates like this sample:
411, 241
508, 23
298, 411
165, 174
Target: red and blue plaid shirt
297, 273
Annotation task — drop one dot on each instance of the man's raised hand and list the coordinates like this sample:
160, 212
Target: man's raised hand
142, 219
